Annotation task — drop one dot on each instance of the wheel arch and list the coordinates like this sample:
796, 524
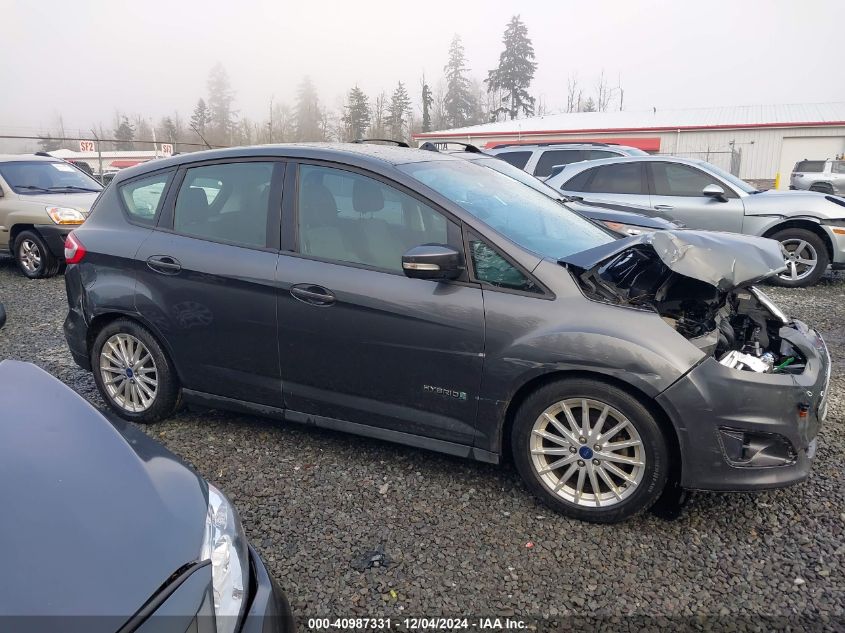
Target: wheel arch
16, 230
102, 319
653, 407
807, 225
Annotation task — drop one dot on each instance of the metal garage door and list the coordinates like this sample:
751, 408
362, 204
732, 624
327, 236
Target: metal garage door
812, 147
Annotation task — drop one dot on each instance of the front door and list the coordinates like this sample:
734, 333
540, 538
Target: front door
676, 190
359, 341
206, 279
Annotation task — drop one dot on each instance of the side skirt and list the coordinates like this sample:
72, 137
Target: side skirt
309, 419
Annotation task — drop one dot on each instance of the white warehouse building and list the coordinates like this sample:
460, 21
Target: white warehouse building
754, 142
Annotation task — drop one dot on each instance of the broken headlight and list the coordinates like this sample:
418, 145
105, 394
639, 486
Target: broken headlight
224, 544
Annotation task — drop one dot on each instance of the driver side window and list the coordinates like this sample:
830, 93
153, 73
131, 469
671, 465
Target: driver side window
671, 179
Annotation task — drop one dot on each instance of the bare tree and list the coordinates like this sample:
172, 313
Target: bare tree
574, 94
604, 93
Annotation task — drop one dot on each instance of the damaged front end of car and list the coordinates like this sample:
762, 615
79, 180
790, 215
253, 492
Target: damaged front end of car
757, 398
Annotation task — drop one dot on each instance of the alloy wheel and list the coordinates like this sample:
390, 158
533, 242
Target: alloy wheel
801, 259
129, 373
29, 255
587, 452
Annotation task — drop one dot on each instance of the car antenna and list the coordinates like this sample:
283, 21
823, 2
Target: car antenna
194, 128
381, 140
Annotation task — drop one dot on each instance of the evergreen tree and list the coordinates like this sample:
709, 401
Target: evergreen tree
166, 131
398, 112
308, 117
427, 102
124, 133
201, 117
515, 72
589, 105
458, 101
220, 98
356, 116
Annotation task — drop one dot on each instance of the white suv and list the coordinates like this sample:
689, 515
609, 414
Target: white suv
541, 159
824, 176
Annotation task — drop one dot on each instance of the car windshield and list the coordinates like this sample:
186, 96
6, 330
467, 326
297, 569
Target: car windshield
524, 215
520, 175
733, 180
40, 176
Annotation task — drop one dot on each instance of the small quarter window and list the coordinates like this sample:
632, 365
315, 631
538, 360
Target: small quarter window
143, 197
493, 269
517, 159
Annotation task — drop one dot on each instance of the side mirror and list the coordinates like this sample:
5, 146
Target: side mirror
2, 315
432, 261
715, 192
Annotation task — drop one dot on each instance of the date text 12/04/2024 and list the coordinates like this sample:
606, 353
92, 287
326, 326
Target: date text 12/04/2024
417, 624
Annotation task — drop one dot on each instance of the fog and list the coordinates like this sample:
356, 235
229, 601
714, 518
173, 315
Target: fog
85, 60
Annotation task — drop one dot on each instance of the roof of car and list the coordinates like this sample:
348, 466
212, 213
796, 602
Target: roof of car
353, 153
8, 158
516, 146
629, 159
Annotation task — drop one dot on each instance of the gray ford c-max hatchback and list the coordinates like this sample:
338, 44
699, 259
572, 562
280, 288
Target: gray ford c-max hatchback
416, 297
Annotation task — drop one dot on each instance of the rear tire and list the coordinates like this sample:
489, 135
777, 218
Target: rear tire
822, 187
558, 453
133, 373
33, 257
803, 246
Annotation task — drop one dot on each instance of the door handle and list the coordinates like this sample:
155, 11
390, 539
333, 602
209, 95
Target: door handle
664, 207
312, 294
164, 264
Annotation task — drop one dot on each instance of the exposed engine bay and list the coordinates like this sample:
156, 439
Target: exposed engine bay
736, 324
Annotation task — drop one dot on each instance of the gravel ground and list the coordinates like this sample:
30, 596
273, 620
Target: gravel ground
466, 539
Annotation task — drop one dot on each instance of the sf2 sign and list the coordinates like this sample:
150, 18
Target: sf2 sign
167, 149
87, 146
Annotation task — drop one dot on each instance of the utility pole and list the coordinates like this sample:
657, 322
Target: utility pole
99, 151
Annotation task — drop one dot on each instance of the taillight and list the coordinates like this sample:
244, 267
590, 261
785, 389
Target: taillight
74, 250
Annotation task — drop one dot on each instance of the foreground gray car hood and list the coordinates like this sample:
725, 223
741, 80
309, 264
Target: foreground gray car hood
723, 260
795, 203
96, 520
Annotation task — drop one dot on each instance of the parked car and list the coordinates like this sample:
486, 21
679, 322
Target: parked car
541, 159
424, 299
824, 176
41, 200
809, 225
111, 531
624, 219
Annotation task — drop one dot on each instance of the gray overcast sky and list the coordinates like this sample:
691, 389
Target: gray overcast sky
86, 59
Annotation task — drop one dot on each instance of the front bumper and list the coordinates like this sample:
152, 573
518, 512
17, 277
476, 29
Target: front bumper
269, 611
54, 236
713, 404
837, 240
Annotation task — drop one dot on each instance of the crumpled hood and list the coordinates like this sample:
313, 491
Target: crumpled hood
723, 260
97, 516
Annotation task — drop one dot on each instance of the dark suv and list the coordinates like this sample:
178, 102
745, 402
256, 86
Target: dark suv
417, 297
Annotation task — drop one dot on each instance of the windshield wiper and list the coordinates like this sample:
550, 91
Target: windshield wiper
32, 188
72, 188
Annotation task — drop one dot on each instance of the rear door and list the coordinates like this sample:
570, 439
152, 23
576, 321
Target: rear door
207, 278
676, 190
617, 182
359, 341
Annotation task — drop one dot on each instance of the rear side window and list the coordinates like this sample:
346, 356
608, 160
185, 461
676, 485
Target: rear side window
228, 202
810, 166
143, 197
838, 167
625, 178
517, 159
553, 157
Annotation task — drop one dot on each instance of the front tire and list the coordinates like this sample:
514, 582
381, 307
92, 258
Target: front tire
33, 257
590, 450
807, 258
133, 373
